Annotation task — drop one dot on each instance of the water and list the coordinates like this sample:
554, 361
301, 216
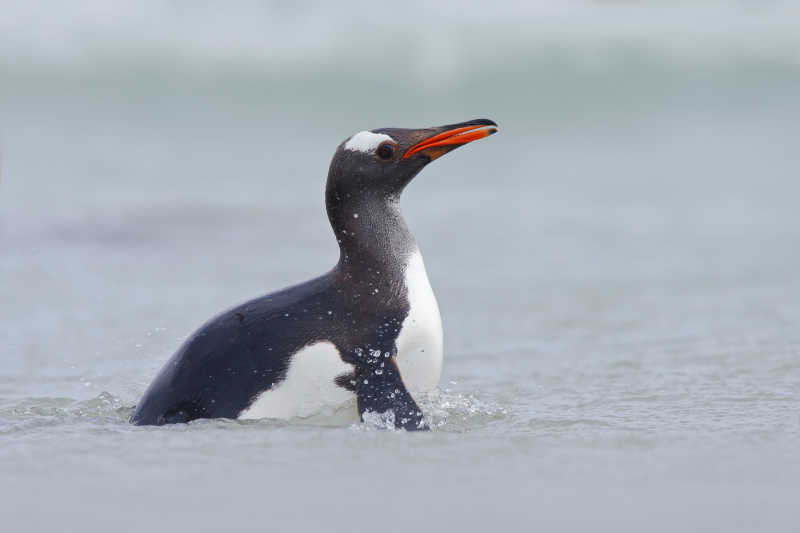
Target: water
617, 269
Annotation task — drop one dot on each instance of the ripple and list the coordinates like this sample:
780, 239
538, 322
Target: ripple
444, 410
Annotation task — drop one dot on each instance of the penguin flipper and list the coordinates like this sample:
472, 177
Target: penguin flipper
381, 391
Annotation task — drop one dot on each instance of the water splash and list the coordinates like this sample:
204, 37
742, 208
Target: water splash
448, 410
374, 420
29, 413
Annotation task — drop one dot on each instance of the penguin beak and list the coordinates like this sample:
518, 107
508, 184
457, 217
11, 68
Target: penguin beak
450, 137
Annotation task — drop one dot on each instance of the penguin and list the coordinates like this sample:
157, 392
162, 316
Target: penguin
364, 339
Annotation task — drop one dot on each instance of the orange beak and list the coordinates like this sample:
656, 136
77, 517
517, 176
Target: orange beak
443, 142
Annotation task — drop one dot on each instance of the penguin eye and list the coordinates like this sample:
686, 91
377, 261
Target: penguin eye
385, 151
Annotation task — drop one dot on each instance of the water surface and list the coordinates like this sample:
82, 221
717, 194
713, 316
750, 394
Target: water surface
617, 269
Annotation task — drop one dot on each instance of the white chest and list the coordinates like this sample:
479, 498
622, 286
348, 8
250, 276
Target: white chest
419, 344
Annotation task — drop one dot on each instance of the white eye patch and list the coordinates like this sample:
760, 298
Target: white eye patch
366, 141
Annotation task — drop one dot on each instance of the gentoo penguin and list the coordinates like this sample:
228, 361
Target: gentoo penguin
365, 337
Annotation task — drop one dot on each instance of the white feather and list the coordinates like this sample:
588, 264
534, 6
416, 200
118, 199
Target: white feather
366, 141
420, 344
308, 389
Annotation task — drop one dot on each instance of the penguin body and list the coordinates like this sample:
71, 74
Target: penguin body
364, 338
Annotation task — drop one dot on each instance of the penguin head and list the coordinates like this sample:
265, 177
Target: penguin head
378, 164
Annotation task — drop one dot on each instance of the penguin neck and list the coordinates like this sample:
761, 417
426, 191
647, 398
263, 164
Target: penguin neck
372, 235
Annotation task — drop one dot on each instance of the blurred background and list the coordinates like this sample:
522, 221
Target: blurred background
617, 269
